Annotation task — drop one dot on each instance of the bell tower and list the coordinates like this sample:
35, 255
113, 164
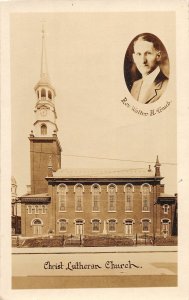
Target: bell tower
43, 138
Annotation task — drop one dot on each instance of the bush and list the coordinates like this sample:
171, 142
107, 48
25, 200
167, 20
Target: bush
168, 241
106, 241
43, 242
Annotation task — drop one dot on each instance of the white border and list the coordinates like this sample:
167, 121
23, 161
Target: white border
181, 9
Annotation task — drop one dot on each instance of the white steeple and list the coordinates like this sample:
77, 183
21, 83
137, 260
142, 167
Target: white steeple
44, 68
45, 124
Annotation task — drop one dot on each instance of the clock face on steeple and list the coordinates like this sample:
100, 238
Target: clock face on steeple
43, 111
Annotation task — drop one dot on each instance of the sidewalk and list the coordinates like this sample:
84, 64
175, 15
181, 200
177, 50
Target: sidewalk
133, 249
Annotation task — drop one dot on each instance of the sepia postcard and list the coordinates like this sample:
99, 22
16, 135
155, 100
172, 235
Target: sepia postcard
94, 122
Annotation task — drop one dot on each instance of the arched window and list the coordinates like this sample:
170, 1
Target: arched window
43, 129
62, 190
79, 197
37, 222
112, 225
146, 225
145, 197
111, 197
62, 225
95, 225
43, 93
95, 197
129, 197
49, 95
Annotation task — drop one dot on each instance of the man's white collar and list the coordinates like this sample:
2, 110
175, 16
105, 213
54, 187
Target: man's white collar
151, 77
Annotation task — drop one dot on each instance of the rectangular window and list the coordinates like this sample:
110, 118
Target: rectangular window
29, 208
95, 225
145, 198
145, 206
62, 192
79, 206
62, 225
44, 209
112, 203
129, 204
145, 225
112, 225
36, 209
112, 197
96, 203
79, 197
166, 208
62, 202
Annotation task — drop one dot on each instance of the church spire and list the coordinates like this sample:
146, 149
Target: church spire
44, 89
45, 112
45, 149
44, 68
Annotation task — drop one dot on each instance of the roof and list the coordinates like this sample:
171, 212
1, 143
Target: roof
166, 195
37, 198
44, 82
102, 173
166, 199
36, 195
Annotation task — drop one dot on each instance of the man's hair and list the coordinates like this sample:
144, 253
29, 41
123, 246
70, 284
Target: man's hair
149, 37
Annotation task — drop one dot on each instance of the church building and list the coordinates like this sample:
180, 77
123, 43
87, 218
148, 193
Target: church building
87, 202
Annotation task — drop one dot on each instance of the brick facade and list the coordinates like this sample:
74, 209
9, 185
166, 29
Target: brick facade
40, 148
127, 223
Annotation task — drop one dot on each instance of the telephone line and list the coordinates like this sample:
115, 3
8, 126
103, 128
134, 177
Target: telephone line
118, 159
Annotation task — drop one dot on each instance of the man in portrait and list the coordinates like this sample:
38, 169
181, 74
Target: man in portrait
147, 58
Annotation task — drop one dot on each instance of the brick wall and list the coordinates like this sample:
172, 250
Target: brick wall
103, 215
39, 159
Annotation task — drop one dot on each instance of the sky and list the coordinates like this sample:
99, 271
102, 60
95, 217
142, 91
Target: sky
85, 54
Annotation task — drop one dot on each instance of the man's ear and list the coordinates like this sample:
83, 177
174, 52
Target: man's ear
133, 57
158, 56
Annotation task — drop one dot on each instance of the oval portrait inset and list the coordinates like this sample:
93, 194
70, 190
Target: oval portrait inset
146, 68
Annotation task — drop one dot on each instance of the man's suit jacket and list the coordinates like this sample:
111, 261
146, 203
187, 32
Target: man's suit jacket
155, 90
